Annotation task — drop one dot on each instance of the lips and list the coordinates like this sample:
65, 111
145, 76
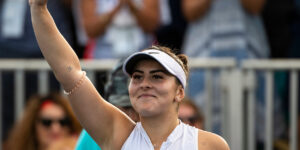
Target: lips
55, 136
145, 95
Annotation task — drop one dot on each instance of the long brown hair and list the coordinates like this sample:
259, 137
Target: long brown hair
23, 134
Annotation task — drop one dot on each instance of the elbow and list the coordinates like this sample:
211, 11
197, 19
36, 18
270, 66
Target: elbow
151, 27
91, 33
253, 7
254, 11
193, 17
194, 14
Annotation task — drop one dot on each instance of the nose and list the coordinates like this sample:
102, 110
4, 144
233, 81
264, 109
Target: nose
145, 84
56, 127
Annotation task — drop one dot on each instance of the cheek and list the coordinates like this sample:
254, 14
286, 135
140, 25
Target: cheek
132, 89
41, 134
166, 92
39, 130
66, 130
163, 93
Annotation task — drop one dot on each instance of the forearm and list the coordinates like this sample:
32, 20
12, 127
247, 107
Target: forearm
54, 47
194, 9
95, 24
148, 16
253, 6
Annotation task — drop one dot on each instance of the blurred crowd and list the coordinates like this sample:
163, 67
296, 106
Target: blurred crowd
104, 29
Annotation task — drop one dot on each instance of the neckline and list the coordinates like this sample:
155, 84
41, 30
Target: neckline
174, 135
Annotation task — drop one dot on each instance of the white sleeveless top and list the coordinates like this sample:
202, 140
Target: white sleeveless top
182, 137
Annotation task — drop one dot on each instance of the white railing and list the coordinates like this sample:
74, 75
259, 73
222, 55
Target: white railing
234, 81
270, 66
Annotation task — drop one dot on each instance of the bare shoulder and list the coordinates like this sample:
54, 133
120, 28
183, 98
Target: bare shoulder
211, 141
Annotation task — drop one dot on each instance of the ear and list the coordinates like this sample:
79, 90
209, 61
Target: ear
180, 93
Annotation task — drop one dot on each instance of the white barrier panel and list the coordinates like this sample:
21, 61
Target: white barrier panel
234, 81
270, 66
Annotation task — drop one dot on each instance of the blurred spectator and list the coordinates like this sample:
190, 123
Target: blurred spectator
278, 16
282, 23
225, 28
117, 91
172, 27
222, 29
295, 30
119, 27
86, 142
46, 119
81, 37
189, 113
117, 94
284, 143
68, 143
17, 40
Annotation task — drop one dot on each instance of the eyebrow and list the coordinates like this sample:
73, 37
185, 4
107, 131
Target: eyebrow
152, 71
159, 70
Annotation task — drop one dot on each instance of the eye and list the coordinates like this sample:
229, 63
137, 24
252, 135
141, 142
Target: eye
136, 76
157, 76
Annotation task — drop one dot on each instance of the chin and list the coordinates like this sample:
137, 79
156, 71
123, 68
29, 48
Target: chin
147, 113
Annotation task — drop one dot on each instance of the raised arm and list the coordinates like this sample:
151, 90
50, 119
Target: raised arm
147, 16
194, 9
55, 48
106, 124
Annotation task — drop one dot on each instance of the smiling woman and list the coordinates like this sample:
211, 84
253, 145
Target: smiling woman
46, 120
150, 88
153, 87
158, 81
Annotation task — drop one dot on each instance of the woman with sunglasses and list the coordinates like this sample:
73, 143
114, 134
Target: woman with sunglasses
158, 80
46, 120
189, 113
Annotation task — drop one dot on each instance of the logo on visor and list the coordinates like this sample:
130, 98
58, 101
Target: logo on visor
153, 52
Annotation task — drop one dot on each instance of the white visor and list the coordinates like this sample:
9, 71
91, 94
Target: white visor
169, 63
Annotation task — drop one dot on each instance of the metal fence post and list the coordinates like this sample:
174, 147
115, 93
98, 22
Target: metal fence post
208, 100
269, 110
250, 86
236, 111
43, 82
19, 94
293, 109
1, 110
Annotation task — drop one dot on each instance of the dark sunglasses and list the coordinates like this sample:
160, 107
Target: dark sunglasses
47, 122
191, 119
